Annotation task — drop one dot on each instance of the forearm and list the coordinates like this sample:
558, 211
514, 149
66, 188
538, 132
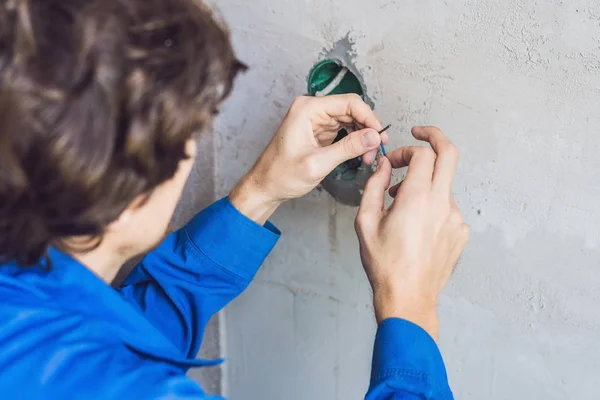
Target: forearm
197, 270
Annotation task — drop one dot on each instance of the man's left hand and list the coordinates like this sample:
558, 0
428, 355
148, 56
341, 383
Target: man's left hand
302, 152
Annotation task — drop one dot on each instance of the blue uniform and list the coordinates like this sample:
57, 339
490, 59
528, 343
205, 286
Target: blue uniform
65, 334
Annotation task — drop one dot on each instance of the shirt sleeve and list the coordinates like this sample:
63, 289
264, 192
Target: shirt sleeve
197, 270
407, 364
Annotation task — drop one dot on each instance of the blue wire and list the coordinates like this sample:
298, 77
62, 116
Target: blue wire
383, 150
381, 145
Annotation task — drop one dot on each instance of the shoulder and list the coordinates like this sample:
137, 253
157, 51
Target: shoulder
58, 355
47, 353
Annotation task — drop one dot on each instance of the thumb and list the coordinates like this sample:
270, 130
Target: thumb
354, 145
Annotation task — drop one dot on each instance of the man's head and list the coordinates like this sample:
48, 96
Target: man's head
99, 103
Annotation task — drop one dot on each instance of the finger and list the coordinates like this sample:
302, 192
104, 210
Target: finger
326, 136
447, 155
356, 144
420, 162
385, 138
344, 108
400, 157
373, 197
358, 126
369, 158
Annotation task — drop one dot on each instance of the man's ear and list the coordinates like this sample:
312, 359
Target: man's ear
127, 215
122, 222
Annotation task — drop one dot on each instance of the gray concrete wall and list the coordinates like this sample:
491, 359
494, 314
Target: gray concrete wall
199, 193
516, 84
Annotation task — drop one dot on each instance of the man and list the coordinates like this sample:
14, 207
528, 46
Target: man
100, 102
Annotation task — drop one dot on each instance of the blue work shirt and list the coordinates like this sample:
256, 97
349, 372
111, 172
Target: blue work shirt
66, 334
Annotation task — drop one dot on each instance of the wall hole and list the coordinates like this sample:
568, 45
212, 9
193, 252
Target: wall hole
346, 182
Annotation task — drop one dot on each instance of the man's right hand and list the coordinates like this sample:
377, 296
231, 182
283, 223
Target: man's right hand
410, 249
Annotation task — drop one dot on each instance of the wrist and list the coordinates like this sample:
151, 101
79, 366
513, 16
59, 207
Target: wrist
249, 198
411, 307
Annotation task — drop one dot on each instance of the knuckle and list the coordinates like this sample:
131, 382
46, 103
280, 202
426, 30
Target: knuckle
354, 101
354, 97
466, 231
358, 222
351, 145
456, 217
426, 153
310, 166
436, 130
463, 234
362, 221
299, 103
451, 150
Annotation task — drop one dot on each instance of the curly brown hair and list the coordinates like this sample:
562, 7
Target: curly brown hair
97, 101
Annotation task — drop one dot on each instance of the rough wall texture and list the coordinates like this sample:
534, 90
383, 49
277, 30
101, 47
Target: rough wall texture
199, 193
516, 84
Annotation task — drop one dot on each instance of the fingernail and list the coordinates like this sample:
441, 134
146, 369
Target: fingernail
370, 139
